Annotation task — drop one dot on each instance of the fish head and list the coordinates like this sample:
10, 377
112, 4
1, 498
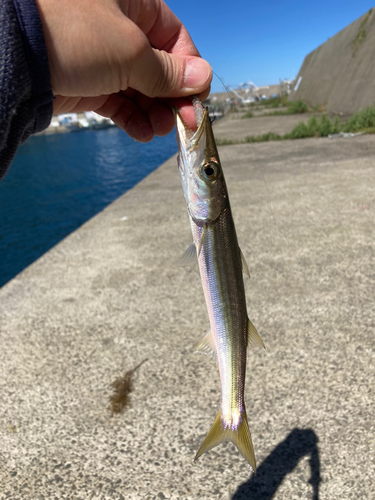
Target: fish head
201, 174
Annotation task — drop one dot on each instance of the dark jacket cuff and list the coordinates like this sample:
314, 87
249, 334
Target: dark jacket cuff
37, 61
25, 88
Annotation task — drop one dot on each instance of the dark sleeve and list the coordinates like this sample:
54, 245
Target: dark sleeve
25, 86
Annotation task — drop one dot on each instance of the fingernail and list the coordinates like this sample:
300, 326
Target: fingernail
197, 72
146, 132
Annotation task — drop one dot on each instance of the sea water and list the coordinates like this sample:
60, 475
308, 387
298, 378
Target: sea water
57, 182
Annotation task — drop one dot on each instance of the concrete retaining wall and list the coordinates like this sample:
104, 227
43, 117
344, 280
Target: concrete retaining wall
341, 72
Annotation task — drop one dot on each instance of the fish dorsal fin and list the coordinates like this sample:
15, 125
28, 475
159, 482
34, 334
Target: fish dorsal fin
202, 239
188, 257
245, 267
253, 337
207, 346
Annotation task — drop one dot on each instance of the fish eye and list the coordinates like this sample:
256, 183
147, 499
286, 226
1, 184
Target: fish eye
209, 171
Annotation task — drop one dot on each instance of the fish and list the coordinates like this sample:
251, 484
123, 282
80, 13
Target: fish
221, 265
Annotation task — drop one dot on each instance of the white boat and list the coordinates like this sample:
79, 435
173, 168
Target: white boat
97, 122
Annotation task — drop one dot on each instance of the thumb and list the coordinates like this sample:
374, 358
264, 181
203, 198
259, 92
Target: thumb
157, 73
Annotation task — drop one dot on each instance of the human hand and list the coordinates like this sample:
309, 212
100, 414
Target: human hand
128, 60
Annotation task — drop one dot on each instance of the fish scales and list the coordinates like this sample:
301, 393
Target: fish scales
224, 292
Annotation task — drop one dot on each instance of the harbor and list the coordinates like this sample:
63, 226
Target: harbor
77, 122
110, 296
219, 106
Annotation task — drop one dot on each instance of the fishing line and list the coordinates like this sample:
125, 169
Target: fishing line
349, 230
308, 281
264, 179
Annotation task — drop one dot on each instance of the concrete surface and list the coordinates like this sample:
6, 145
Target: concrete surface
258, 125
110, 296
341, 72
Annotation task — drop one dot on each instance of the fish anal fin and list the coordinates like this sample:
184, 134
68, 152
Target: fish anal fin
239, 436
245, 267
207, 346
188, 257
253, 337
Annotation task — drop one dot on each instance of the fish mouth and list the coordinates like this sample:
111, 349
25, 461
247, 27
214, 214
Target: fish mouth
188, 138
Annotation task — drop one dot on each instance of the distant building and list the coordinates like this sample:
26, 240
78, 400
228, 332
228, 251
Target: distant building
340, 74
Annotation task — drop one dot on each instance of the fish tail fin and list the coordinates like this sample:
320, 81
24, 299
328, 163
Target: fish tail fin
240, 437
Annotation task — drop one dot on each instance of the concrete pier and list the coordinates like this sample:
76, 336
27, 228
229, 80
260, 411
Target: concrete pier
110, 296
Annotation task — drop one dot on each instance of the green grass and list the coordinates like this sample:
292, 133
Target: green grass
270, 136
362, 121
315, 127
293, 107
361, 35
276, 102
227, 142
369, 130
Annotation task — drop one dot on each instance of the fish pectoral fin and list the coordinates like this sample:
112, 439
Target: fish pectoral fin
253, 337
202, 239
188, 257
207, 346
245, 267
239, 436
191, 254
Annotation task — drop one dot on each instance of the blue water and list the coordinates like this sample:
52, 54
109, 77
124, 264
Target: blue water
57, 182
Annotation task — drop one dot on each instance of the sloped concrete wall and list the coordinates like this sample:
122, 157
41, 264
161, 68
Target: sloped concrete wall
341, 72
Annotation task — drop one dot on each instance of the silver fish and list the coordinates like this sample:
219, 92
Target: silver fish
221, 263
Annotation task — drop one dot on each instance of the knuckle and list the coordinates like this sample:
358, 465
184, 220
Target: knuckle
167, 77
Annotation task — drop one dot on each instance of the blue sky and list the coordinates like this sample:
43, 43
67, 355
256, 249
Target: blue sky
262, 41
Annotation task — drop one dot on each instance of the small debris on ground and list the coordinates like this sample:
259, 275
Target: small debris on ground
122, 388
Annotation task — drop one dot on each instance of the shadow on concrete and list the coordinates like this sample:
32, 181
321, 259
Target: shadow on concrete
283, 460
